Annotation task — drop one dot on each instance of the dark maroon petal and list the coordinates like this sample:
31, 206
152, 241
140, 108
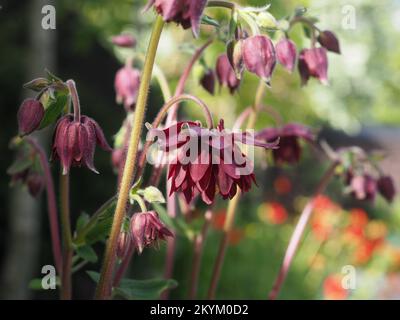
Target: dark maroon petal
208, 81
100, 139
87, 143
329, 41
224, 183
196, 11
30, 115
386, 188
316, 62
286, 53
225, 73
303, 69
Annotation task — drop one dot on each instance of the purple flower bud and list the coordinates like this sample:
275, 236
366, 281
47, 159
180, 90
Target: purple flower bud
208, 81
30, 114
35, 183
127, 82
234, 53
386, 188
118, 158
328, 40
225, 74
313, 63
286, 53
147, 229
259, 56
74, 142
185, 12
124, 243
124, 40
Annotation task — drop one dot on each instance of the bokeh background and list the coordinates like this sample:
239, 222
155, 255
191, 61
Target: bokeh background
359, 107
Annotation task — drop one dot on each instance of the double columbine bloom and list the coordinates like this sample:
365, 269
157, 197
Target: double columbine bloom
184, 12
289, 150
74, 142
207, 162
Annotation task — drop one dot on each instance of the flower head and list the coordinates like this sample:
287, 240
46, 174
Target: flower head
289, 149
30, 114
127, 82
74, 142
124, 40
147, 229
207, 162
386, 187
225, 74
208, 81
185, 12
259, 56
361, 186
286, 53
313, 63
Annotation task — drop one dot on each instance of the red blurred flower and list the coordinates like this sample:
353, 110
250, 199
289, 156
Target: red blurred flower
333, 289
282, 185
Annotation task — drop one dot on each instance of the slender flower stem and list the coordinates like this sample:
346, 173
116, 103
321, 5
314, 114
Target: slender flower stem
51, 205
75, 99
233, 203
198, 247
299, 230
221, 4
66, 286
124, 265
103, 289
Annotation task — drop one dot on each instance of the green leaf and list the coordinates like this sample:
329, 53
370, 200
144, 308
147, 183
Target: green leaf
82, 221
87, 253
52, 77
53, 110
37, 84
206, 20
19, 165
152, 195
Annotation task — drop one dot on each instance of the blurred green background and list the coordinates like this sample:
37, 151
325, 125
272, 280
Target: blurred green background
359, 107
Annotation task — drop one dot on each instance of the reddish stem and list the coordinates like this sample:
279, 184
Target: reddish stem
298, 232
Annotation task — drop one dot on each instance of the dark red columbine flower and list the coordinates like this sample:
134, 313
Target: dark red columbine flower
74, 142
30, 114
207, 162
124, 41
313, 63
147, 229
289, 149
185, 12
126, 83
259, 56
329, 41
225, 74
208, 81
33, 180
386, 187
286, 53
361, 186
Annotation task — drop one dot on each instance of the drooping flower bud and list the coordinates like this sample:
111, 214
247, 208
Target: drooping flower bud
386, 188
124, 243
225, 74
234, 53
35, 183
286, 53
259, 56
74, 142
30, 114
329, 41
124, 41
313, 63
147, 229
185, 12
208, 81
127, 82
361, 186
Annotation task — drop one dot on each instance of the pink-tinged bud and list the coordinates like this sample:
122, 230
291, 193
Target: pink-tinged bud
124, 41
127, 82
118, 158
74, 142
234, 53
30, 114
147, 229
225, 74
124, 244
259, 56
208, 81
362, 187
286, 53
329, 41
313, 63
35, 183
386, 188
185, 12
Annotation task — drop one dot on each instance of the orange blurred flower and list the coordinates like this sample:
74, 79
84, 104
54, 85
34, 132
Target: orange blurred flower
326, 213
235, 236
218, 219
333, 289
282, 185
272, 212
